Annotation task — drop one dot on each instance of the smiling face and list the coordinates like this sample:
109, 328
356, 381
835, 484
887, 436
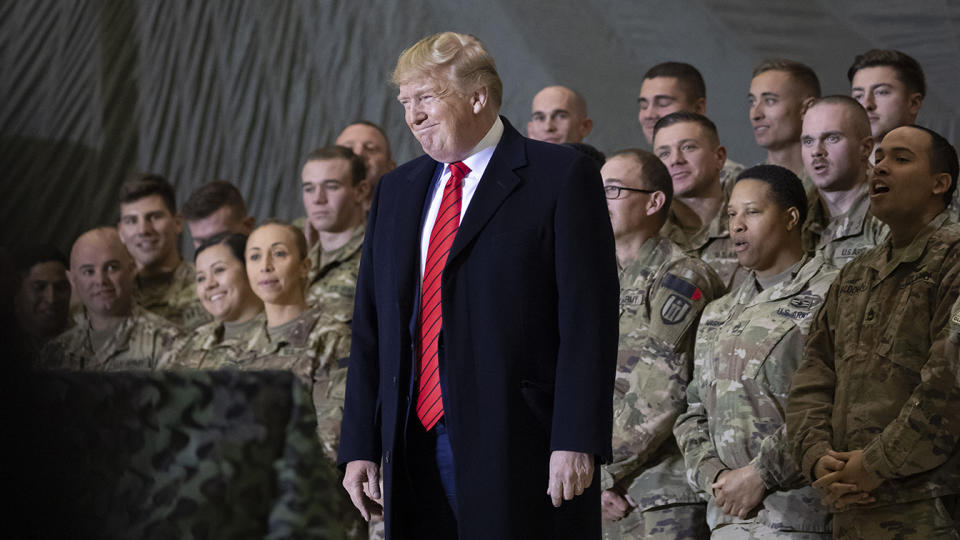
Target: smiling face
902, 187
693, 157
888, 102
446, 123
276, 270
834, 154
331, 201
222, 285
101, 273
43, 300
760, 229
149, 230
776, 109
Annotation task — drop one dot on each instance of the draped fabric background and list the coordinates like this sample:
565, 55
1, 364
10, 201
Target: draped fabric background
243, 89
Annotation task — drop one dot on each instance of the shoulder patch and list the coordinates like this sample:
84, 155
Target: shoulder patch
675, 308
682, 286
806, 301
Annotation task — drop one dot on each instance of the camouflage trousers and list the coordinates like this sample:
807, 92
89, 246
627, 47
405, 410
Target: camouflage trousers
376, 529
674, 522
928, 519
758, 531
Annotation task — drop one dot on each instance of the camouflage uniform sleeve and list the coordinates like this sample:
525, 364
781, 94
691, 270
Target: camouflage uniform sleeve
333, 351
927, 430
167, 343
810, 403
775, 461
658, 367
692, 431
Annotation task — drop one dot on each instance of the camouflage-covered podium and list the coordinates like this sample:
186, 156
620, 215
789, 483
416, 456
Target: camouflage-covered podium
191, 454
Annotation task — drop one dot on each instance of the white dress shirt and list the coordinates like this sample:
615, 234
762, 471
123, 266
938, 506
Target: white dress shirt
477, 161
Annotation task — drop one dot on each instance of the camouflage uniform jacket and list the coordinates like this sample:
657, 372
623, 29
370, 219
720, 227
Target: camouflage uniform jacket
749, 344
875, 376
841, 238
728, 174
141, 341
207, 348
175, 300
662, 293
711, 244
333, 277
316, 350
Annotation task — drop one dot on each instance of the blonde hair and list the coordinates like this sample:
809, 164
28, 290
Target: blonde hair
457, 59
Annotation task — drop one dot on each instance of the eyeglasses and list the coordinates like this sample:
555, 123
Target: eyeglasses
616, 192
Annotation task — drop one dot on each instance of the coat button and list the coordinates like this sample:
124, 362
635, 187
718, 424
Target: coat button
394, 381
386, 457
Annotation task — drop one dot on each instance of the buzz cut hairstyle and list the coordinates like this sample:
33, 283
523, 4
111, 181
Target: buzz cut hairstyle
298, 237
358, 169
140, 185
688, 76
212, 196
680, 117
943, 159
799, 72
861, 120
907, 68
656, 176
786, 189
458, 59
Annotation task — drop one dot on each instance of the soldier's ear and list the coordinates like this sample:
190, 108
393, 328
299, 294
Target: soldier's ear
793, 218
655, 202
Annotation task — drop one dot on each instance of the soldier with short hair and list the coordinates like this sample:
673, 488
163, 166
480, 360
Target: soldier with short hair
334, 191
874, 411
780, 92
671, 87
689, 145
836, 146
662, 292
150, 227
112, 333
214, 208
748, 345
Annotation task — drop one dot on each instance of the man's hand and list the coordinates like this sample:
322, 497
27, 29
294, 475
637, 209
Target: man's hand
850, 485
570, 474
739, 491
827, 464
615, 506
362, 482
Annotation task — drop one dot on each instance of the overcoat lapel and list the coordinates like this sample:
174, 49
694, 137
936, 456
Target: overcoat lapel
497, 182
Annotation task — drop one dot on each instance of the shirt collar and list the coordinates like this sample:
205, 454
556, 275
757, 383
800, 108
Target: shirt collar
479, 156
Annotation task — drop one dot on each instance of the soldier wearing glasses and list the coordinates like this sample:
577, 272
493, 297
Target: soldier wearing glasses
662, 292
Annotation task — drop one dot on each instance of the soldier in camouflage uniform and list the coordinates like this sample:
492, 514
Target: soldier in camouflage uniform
150, 227
780, 92
662, 292
836, 150
225, 293
333, 276
334, 193
748, 345
689, 146
875, 408
315, 347
113, 333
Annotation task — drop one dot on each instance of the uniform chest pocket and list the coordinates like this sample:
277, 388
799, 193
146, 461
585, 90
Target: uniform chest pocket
905, 339
745, 345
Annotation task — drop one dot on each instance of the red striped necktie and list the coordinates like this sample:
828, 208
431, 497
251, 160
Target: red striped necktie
429, 399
